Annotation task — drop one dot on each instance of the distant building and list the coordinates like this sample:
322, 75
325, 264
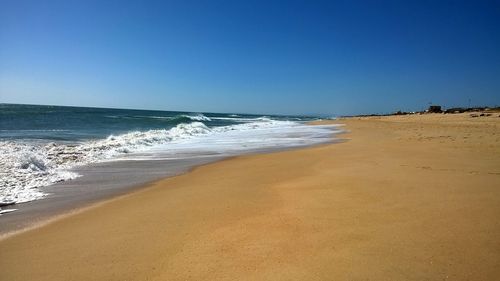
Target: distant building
434, 109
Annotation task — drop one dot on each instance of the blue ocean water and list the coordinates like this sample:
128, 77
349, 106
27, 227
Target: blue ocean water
41, 145
65, 123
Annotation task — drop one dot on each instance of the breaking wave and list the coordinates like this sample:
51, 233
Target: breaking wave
174, 119
24, 166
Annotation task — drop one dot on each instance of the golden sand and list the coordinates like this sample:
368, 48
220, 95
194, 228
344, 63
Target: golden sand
405, 198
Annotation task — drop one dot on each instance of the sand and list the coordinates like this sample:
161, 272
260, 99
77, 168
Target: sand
405, 198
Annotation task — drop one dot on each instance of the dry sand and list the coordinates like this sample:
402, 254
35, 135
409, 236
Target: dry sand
406, 198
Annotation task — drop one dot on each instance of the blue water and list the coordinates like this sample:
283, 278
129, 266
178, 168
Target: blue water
65, 123
41, 145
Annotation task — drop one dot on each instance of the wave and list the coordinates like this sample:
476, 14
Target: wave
24, 166
176, 118
185, 118
197, 117
243, 120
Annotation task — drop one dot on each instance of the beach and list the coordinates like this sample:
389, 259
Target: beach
75, 156
414, 197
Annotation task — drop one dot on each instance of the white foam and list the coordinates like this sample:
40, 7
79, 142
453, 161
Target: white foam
197, 117
241, 138
26, 166
242, 120
6, 211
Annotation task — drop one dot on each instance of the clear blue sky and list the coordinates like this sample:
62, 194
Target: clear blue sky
287, 57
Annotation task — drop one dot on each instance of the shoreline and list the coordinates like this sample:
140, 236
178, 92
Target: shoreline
57, 205
72, 196
98, 183
407, 198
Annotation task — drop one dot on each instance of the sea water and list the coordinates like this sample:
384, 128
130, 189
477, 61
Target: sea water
41, 145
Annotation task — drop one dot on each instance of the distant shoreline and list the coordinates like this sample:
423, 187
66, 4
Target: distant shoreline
438, 109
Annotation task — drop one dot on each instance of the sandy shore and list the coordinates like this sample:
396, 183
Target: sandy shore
406, 198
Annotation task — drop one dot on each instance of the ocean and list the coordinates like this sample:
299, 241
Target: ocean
41, 145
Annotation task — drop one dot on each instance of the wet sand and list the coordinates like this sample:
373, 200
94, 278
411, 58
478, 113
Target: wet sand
98, 182
406, 198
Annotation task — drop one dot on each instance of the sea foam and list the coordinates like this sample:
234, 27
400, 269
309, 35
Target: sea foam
25, 166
